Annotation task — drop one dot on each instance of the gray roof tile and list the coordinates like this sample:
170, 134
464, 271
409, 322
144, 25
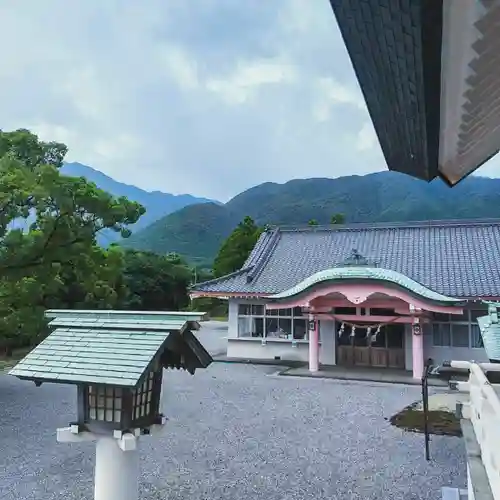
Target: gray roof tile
454, 258
91, 346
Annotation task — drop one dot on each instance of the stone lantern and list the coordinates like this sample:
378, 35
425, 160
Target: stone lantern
116, 361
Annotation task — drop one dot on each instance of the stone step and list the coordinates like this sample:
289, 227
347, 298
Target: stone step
448, 493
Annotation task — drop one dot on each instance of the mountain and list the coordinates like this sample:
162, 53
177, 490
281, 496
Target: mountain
157, 204
195, 231
198, 230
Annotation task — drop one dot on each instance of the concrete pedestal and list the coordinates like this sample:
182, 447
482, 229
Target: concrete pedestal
116, 461
116, 471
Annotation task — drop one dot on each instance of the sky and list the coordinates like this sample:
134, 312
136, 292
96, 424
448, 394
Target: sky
208, 97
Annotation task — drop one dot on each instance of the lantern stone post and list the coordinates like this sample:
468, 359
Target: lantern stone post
116, 360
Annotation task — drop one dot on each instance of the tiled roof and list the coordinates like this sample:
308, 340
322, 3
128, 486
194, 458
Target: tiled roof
395, 49
455, 258
86, 348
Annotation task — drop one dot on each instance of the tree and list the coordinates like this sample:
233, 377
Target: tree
313, 222
237, 247
337, 219
48, 227
155, 282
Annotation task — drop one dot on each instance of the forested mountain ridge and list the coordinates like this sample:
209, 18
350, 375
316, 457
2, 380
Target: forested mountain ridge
156, 203
197, 231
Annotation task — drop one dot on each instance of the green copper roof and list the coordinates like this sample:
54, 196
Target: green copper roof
357, 273
122, 324
128, 315
490, 331
95, 348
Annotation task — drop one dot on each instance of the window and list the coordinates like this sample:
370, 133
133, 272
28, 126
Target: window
460, 335
476, 340
451, 330
377, 311
347, 311
143, 396
441, 334
299, 329
443, 318
249, 326
286, 324
104, 403
477, 313
250, 310
279, 328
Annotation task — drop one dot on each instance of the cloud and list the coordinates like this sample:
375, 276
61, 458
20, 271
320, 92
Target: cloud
367, 138
209, 99
248, 77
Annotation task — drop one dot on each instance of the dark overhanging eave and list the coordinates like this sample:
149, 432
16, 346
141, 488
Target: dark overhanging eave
395, 49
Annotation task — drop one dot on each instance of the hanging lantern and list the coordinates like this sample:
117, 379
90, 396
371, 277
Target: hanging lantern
368, 332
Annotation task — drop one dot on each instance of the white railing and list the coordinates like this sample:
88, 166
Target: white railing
483, 410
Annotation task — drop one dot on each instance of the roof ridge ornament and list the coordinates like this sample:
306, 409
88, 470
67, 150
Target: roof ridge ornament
356, 259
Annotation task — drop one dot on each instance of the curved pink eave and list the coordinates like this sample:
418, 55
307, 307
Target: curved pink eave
358, 294
357, 285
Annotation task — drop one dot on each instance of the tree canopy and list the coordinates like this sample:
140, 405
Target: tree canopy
155, 282
237, 247
48, 227
337, 219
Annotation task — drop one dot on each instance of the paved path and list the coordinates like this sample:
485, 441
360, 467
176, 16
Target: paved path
236, 432
213, 335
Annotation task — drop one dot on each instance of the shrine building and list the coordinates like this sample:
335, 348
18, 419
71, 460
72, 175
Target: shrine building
363, 295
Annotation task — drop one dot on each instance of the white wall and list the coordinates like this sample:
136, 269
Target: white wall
327, 347
248, 348
232, 318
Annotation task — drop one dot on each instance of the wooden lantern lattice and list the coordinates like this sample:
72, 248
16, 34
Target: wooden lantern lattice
104, 403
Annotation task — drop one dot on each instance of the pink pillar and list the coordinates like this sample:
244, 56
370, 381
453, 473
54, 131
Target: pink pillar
417, 346
313, 344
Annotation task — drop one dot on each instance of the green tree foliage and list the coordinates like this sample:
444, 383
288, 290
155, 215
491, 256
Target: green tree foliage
48, 227
155, 282
313, 222
337, 219
236, 249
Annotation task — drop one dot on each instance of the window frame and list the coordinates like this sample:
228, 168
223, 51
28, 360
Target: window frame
462, 321
273, 314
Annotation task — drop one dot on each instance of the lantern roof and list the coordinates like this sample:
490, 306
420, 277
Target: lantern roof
113, 347
490, 331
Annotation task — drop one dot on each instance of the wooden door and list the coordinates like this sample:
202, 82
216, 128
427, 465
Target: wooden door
345, 355
387, 350
396, 358
379, 357
362, 356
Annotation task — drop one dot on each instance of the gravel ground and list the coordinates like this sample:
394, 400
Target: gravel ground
236, 431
